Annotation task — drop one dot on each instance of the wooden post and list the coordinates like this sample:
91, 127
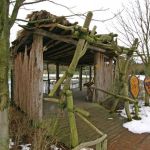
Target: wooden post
67, 94
57, 78
48, 78
90, 73
92, 143
136, 108
104, 145
98, 76
80, 78
12, 86
81, 48
72, 120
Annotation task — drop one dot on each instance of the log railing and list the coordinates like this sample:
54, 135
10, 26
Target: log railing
124, 98
100, 143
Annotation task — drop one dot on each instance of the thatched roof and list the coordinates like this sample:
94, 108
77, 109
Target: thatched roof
59, 44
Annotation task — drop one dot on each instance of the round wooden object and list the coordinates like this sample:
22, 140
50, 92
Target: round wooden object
147, 85
134, 86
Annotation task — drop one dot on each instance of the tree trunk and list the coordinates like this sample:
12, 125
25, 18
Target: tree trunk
4, 63
147, 73
146, 99
125, 93
4, 136
72, 120
121, 83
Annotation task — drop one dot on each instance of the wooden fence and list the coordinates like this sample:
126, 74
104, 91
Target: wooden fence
103, 77
28, 79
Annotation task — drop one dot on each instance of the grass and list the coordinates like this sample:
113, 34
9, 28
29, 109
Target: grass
40, 135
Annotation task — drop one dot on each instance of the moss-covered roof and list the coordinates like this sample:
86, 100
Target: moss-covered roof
59, 43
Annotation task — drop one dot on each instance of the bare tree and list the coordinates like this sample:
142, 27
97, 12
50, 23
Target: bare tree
6, 22
135, 22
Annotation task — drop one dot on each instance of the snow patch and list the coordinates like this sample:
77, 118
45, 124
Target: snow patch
54, 147
139, 126
25, 146
11, 143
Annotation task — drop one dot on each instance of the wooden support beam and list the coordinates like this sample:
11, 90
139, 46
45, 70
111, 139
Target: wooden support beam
52, 44
80, 78
117, 96
66, 54
57, 78
60, 53
57, 72
48, 78
51, 99
64, 38
22, 41
12, 86
90, 73
82, 111
61, 46
68, 58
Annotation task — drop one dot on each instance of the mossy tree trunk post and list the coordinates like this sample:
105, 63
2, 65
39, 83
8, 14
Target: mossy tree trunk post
90, 73
48, 78
57, 78
124, 82
147, 73
121, 80
81, 48
127, 102
122, 88
4, 65
80, 78
79, 52
146, 99
72, 120
136, 109
116, 84
6, 22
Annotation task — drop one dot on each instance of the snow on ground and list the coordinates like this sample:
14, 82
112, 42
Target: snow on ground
139, 126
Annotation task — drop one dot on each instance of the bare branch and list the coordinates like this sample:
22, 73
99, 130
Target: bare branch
136, 23
34, 2
15, 11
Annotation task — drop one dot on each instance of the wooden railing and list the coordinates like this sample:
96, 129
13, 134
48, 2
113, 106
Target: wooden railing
101, 144
125, 99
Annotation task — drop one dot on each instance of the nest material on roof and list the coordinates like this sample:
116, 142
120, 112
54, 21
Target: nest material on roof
44, 17
50, 23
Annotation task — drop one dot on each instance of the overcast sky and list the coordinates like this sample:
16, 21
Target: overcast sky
111, 6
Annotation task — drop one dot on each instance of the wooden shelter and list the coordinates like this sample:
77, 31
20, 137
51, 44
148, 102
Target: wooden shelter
44, 39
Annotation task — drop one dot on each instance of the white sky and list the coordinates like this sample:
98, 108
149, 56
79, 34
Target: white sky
81, 6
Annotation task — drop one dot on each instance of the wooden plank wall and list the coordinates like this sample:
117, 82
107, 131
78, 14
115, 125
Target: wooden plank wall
103, 76
28, 74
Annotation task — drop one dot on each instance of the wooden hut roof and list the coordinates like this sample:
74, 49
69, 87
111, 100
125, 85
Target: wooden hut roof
59, 44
